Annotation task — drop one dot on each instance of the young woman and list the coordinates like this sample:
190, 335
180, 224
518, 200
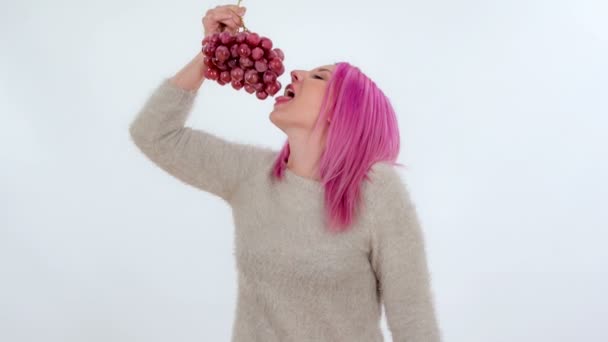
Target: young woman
325, 231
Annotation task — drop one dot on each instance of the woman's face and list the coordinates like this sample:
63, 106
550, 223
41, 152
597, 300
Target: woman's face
302, 110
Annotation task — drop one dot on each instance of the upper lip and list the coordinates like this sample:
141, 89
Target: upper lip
291, 88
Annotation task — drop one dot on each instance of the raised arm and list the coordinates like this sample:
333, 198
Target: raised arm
194, 156
399, 261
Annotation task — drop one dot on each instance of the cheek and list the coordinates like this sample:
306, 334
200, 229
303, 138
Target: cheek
313, 100
306, 107
311, 117
312, 103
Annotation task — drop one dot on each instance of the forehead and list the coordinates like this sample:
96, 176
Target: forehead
330, 67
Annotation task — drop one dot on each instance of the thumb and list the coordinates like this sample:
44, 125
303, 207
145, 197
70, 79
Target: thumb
242, 10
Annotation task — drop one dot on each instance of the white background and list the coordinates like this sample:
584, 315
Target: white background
503, 117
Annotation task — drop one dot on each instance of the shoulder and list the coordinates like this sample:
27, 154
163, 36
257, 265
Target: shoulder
384, 172
386, 191
262, 157
264, 153
392, 214
385, 179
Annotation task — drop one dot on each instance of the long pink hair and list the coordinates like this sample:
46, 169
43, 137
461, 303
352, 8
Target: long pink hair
363, 131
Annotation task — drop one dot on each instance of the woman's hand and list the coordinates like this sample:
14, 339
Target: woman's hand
221, 18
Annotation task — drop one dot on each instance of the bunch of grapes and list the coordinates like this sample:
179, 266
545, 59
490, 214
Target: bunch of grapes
245, 60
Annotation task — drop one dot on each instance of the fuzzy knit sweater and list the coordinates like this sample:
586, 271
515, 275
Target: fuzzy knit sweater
296, 281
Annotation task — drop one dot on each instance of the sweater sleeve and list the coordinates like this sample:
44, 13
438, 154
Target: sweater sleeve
399, 261
194, 156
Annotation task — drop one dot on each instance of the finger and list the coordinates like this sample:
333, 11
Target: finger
210, 21
230, 25
224, 16
238, 20
238, 9
234, 10
229, 20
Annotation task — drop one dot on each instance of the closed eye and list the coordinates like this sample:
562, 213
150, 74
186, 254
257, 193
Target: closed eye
317, 76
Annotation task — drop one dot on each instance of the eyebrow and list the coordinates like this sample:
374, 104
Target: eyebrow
323, 69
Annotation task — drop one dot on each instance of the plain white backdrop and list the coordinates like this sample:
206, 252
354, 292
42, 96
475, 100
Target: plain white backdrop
503, 109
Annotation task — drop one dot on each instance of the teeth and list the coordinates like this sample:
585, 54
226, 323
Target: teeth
289, 92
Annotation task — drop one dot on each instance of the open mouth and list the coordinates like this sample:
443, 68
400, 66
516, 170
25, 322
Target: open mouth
289, 95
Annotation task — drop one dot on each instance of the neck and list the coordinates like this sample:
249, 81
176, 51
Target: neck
304, 156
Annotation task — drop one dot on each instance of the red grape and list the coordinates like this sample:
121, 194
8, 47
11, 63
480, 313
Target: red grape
214, 39
234, 50
209, 49
273, 88
253, 39
258, 86
244, 50
271, 54
237, 74
269, 77
245, 60
219, 65
207, 61
251, 76
222, 53
276, 65
225, 76
236, 84
279, 53
257, 53
227, 38
266, 43
233, 63
249, 88
260, 65
261, 94
241, 37
211, 73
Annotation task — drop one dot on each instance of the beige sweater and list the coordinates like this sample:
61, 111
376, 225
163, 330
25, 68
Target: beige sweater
296, 281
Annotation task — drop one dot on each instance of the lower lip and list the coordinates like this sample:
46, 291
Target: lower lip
282, 99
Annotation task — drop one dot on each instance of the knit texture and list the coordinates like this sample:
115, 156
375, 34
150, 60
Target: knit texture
296, 280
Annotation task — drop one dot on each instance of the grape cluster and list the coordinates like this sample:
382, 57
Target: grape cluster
245, 60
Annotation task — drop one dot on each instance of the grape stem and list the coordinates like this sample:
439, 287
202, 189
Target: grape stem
242, 21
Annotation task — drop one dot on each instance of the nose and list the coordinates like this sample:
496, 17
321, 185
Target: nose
295, 75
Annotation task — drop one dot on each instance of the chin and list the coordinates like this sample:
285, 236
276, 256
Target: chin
278, 112
273, 118
280, 119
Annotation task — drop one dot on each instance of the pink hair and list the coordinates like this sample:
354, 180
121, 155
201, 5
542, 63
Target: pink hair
363, 131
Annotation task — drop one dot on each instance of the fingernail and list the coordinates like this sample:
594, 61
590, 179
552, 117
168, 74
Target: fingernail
242, 10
